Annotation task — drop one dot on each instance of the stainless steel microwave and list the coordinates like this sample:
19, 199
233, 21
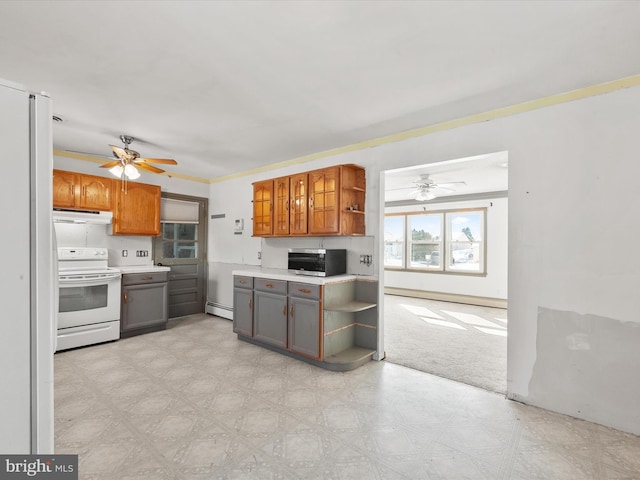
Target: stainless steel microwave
319, 262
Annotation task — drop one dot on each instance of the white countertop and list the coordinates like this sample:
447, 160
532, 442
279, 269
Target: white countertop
283, 274
142, 268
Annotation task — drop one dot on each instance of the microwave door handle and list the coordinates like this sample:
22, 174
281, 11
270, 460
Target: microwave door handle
86, 281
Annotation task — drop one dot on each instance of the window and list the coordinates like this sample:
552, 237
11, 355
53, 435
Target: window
179, 240
464, 241
425, 245
446, 241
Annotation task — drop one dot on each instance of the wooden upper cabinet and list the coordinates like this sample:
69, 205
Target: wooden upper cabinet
298, 197
281, 206
85, 192
329, 201
137, 210
324, 201
64, 189
96, 192
263, 208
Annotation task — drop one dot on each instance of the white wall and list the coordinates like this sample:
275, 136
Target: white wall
573, 210
491, 285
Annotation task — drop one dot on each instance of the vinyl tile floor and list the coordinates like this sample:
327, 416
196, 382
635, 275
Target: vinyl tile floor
193, 402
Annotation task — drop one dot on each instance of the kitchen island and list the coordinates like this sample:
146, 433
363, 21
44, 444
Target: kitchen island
330, 322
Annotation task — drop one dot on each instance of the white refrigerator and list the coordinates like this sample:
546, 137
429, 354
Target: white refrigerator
29, 272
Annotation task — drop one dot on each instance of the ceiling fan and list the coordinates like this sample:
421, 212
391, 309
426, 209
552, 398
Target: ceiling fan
128, 161
426, 189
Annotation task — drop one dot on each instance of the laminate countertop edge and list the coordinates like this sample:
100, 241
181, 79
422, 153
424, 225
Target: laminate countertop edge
282, 274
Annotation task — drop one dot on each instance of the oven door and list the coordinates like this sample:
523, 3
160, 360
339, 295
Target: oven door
88, 299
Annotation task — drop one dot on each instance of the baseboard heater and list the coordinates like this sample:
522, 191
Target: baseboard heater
220, 310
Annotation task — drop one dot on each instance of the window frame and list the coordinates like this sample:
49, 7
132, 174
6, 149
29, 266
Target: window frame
445, 243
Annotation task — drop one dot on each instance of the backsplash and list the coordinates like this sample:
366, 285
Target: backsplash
274, 251
92, 235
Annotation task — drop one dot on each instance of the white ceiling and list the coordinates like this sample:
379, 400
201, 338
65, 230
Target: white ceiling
480, 174
225, 87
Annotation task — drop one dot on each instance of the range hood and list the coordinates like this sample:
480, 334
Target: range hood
81, 216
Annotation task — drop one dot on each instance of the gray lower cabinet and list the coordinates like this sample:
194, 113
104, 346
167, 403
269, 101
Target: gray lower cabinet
144, 303
243, 305
270, 312
305, 320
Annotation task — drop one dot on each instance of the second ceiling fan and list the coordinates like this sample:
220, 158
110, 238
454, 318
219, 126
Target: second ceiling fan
128, 161
426, 189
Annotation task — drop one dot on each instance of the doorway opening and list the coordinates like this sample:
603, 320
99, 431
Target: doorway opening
445, 269
182, 246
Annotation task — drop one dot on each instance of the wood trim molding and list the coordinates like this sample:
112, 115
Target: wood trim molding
447, 297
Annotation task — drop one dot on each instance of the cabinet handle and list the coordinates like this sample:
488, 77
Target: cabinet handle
124, 297
147, 278
250, 303
304, 290
286, 206
310, 202
284, 311
291, 311
73, 189
84, 191
242, 282
269, 285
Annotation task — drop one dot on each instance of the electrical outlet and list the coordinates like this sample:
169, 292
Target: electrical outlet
366, 259
259, 255
125, 253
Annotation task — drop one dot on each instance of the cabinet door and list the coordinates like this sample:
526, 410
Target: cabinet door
137, 210
304, 327
298, 204
64, 189
262, 208
281, 206
270, 319
144, 306
243, 311
96, 193
324, 201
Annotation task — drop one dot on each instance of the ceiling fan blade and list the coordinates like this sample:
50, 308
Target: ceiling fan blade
144, 166
120, 152
111, 164
165, 161
450, 183
444, 188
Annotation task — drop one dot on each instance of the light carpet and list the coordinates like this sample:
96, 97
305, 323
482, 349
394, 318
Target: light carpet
465, 343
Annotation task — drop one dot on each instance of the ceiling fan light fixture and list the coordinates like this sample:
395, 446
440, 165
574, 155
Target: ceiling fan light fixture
424, 195
131, 172
117, 171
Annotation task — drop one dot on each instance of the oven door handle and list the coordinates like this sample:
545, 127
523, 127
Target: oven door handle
89, 279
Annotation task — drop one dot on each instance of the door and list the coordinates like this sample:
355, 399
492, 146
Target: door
262, 208
323, 201
298, 204
137, 210
182, 246
281, 206
270, 322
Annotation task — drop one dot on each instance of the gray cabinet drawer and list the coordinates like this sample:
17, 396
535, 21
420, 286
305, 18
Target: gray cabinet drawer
139, 278
273, 286
240, 281
304, 290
